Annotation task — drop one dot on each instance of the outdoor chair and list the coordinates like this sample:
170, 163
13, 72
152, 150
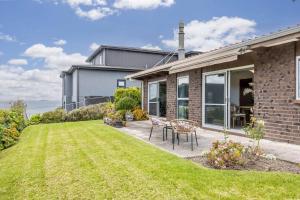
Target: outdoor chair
157, 123
184, 127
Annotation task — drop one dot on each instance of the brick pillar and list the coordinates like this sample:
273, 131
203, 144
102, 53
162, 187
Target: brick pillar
145, 95
195, 96
171, 96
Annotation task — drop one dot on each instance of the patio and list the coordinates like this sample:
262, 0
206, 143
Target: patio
141, 130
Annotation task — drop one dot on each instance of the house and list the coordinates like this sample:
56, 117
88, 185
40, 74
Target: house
108, 65
224, 88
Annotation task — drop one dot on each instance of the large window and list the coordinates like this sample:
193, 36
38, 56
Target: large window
298, 78
183, 97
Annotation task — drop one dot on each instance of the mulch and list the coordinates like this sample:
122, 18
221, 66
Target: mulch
261, 164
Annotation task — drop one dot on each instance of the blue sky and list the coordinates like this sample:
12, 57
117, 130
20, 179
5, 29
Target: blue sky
29, 29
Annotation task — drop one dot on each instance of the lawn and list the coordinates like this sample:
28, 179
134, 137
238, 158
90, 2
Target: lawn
89, 160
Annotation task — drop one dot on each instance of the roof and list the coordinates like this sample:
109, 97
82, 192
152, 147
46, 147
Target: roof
225, 54
101, 68
134, 49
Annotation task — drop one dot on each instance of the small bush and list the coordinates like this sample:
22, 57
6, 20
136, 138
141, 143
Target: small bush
139, 114
255, 130
55, 116
108, 108
226, 154
35, 119
131, 92
126, 103
116, 116
9, 136
12, 122
92, 112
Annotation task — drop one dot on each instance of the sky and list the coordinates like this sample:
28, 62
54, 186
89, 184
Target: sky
40, 38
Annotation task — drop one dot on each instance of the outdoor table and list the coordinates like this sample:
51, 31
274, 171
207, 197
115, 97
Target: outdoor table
167, 126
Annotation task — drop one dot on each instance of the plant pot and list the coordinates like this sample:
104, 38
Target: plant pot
118, 124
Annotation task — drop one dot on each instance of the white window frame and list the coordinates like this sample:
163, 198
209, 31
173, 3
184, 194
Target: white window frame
148, 95
178, 99
227, 99
297, 77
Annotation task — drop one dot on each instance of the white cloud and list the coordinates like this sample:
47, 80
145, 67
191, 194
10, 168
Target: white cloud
7, 37
86, 2
54, 57
95, 13
215, 33
60, 42
142, 4
151, 47
37, 83
94, 46
33, 84
17, 62
98, 9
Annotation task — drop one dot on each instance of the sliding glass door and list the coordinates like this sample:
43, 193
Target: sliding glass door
157, 99
153, 99
215, 89
228, 98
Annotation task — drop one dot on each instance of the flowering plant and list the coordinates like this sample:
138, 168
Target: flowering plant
255, 130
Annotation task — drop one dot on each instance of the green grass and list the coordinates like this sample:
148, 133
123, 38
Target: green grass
88, 160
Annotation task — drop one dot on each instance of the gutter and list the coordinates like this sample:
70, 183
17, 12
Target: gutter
77, 103
280, 37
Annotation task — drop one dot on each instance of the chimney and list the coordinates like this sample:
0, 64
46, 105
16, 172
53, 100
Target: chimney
181, 51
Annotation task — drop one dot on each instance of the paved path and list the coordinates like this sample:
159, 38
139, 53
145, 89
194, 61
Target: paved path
140, 130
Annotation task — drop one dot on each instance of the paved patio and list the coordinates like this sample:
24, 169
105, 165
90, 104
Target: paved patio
141, 130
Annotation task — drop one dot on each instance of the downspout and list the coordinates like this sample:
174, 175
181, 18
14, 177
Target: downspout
142, 90
77, 103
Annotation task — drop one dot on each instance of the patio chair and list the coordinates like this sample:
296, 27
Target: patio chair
156, 123
184, 127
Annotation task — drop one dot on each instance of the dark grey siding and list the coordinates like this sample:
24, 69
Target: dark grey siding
101, 83
133, 59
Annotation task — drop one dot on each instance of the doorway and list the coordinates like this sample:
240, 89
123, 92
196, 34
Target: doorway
157, 101
228, 98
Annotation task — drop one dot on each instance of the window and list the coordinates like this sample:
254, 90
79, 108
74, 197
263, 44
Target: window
100, 59
298, 78
121, 83
183, 97
153, 99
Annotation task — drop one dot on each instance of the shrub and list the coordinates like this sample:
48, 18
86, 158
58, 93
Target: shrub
9, 136
139, 114
8, 117
91, 112
255, 130
116, 116
55, 116
35, 119
12, 122
126, 103
226, 154
131, 92
18, 106
108, 108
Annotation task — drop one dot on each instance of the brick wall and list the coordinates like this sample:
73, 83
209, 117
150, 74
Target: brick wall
275, 93
171, 96
145, 95
195, 95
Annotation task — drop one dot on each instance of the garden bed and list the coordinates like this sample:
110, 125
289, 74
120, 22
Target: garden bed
261, 164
